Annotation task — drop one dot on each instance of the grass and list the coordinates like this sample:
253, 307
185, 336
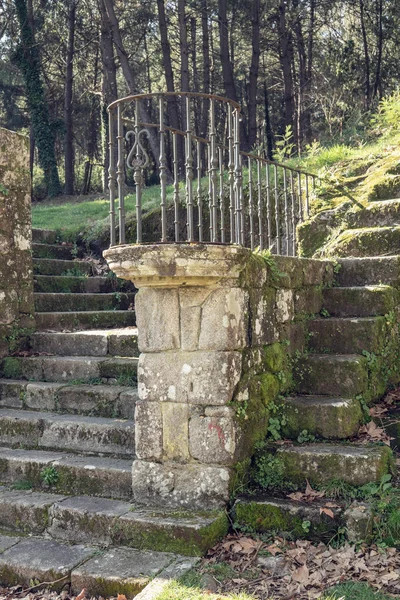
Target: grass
355, 591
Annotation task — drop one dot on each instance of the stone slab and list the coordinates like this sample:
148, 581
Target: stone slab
343, 376
7, 541
174, 571
51, 266
350, 335
119, 571
71, 321
26, 511
44, 560
369, 271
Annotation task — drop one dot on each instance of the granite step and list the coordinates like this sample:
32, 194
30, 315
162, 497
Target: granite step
75, 474
57, 251
73, 433
264, 513
106, 574
323, 462
74, 321
52, 266
56, 302
44, 236
79, 369
384, 270
322, 416
349, 335
92, 342
379, 213
109, 401
105, 522
79, 285
337, 375
366, 242
367, 301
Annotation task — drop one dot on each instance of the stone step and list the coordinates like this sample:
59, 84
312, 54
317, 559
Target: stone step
366, 242
73, 433
51, 266
338, 375
56, 302
322, 416
348, 335
368, 271
44, 236
74, 474
320, 463
264, 514
79, 285
80, 369
89, 319
105, 522
91, 400
92, 342
360, 301
57, 251
380, 213
103, 574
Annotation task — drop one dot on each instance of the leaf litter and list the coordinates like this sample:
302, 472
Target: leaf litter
301, 570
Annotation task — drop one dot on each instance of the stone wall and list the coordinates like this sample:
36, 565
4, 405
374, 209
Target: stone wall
16, 282
218, 328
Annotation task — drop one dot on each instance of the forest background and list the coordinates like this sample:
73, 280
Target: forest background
307, 73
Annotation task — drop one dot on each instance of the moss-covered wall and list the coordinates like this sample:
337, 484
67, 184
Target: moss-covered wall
16, 283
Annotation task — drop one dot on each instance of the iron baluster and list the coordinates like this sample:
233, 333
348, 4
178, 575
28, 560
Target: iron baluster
213, 166
120, 176
277, 220
293, 196
221, 193
307, 197
238, 175
251, 205
163, 172
189, 173
176, 184
259, 206
199, 198
111, 175
231, 170
287, 217
300, 197
269, 211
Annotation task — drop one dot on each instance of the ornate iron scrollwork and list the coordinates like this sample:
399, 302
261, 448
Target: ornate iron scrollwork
137, 157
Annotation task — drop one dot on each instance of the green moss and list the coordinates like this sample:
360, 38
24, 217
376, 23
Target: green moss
11, 368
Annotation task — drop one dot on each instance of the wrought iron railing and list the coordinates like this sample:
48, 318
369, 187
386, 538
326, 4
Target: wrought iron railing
219, 206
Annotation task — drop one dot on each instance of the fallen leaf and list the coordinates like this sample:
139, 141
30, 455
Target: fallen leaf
301, 574
326, 511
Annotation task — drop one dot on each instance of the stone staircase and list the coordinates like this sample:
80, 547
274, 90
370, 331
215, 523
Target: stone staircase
67, 442
353, 354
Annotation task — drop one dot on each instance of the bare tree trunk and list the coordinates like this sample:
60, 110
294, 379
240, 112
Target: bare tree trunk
254, 67
227, 68
92, 131
301, 51
308, 87
129, 75
184, 52
367, 84
108, 85
268, 130
206, 65
68, 107
195, 75
286, 58
377, 84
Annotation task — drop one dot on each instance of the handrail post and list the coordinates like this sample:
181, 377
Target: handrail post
120, 176
251, 205
176, 185
199, 198
277, 220
163, 172
231, 169
189, 173
138, 176
221, 193
111, 174
238, 178
213, 167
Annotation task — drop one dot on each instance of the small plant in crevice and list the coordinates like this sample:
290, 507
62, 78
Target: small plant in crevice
305, 437
324, 313
49, 475
268, 469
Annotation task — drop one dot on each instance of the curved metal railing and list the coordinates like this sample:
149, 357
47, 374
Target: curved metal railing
219, 207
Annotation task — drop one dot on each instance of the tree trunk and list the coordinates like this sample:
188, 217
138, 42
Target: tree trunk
184, 52
227, 68
301, 51
206, 66
27, 59
108, 85
68, 107
308, 87
167, 64
92, 132
268, 130
254, 67
367, 84
286, 59
377, 84
129, 76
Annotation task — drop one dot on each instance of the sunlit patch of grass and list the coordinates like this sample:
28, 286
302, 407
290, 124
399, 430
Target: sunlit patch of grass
355, 591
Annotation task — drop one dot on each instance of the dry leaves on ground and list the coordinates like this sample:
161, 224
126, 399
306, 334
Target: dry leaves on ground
371, 432
300, 570
309, 495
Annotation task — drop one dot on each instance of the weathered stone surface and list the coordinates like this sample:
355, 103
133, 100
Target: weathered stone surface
82, 518
42, 396
12, 393
285, 517
191, 301
322, 416
214, 439
375, 214
369, 271
27, 512
40, 559
85, 320
308, 301
44, 236
149, 430
185, 533
175, 431
343, 376
360, 301
373, 241
284, 306
92, 475
323, 462
70, 344
191, 485
49, 266
224, 320
152, 306
359, 522
118, 571
195, 378
99, 400
56, 251
348, 336
53, 302
7, 541
174, 571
